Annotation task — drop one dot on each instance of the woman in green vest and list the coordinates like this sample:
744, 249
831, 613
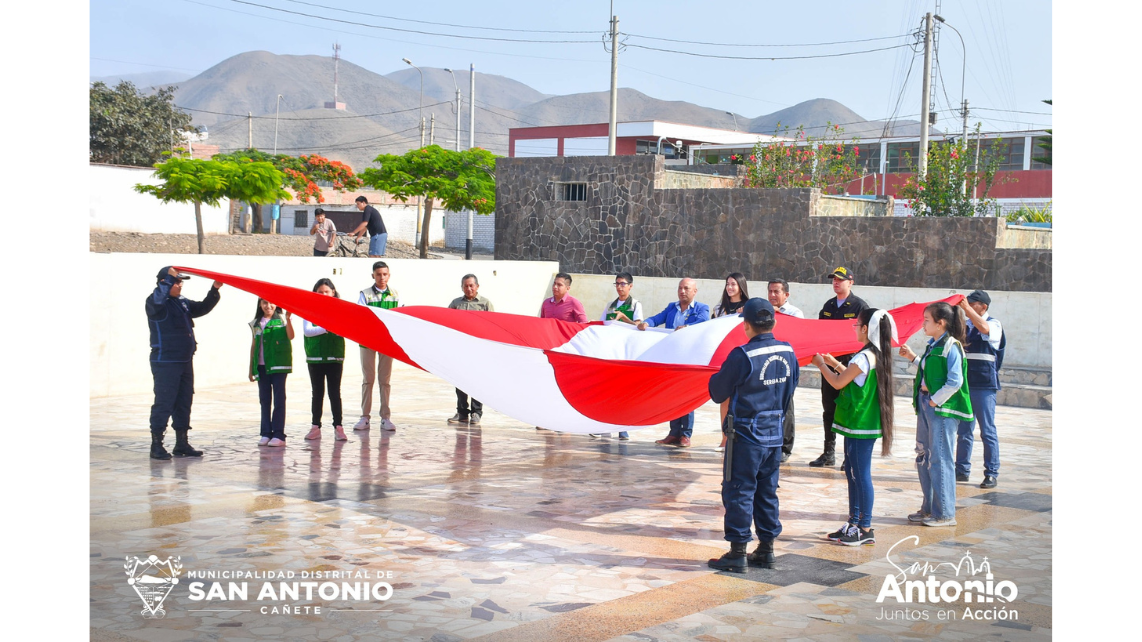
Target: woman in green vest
271, 359
864, 414
940, 398
325, 358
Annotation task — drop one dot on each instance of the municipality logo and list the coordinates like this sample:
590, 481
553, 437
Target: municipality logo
153, 579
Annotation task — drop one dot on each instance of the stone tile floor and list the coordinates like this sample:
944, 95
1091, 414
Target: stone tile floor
503, 532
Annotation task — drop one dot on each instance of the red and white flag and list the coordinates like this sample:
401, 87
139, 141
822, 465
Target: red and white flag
572, 377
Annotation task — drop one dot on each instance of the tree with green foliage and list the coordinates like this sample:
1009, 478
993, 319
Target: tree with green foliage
300, 174
948, 187
459, 180
198, 181
1044, 142
129, 127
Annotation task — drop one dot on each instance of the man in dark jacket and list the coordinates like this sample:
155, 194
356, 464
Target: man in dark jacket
169, 316
846, 306
760, 378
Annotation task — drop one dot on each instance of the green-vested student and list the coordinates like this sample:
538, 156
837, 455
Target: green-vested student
271, 359
325, 358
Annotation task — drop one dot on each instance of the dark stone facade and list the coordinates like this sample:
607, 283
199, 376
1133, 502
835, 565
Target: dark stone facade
627, 222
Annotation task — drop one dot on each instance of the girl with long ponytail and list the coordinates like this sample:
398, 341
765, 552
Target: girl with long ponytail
864, 414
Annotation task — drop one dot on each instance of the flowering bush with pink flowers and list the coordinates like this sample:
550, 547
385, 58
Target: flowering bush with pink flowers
952, 179
828, 162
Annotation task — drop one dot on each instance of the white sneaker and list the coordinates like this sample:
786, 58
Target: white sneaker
263, 441
945, 521
388, 425
276, 443
314, 433
362, 424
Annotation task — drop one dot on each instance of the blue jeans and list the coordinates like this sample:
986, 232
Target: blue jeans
983, 404
271, 394
935, 460
683, 427
377, 244
751, 494
858, 470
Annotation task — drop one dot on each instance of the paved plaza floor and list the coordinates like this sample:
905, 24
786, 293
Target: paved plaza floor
503, 532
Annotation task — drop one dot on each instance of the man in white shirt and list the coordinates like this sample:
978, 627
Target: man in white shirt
779, 299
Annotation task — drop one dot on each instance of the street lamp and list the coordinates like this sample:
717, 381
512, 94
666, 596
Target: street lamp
735, 119
421, 98
457, 107
963, 74
277, 108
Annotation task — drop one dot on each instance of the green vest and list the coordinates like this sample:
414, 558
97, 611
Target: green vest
275, 346
387, 299
858, 408
626, 308
934, 374
325, 348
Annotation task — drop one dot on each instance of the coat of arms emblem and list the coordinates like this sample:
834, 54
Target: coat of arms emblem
153, 579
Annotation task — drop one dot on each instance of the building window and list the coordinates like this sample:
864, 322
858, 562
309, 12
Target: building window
868, 157
902, 157
570, 191
300, 218
1009, 152
1038, 152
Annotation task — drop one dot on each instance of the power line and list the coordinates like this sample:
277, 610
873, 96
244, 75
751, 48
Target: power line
724, 44
438, 24
346, 117
722, 57
416, 31
720, 91
1014, 111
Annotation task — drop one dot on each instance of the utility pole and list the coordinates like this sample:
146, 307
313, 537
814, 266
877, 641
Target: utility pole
457, 119
422, 131
250, 130
922, 168
964, 190
471, 144
471, 115
432, 130
614, 81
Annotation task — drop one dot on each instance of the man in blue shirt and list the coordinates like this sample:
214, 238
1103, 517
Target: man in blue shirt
677, 315
760, 377
169, 316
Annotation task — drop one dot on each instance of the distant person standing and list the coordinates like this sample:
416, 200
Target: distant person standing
325, 231
845, 306
372, 222
170, 317
778, 295
469, 413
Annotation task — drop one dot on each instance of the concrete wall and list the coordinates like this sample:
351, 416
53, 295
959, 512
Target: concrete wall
829, 205
1026, 316
115, 206
629, 222
483, 231
120, 284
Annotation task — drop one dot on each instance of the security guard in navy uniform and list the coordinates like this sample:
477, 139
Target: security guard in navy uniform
760, 377
846, 306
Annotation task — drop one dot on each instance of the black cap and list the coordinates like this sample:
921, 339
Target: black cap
980, 296
758, 310
163, 272
841, 273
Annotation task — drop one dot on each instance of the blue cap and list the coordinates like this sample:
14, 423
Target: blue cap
758, 310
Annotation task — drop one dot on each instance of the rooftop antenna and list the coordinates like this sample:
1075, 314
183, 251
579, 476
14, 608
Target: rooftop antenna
336, 60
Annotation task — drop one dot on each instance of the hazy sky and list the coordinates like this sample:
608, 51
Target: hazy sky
1008, 47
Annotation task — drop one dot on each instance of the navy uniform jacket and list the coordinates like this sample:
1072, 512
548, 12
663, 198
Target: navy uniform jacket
761, 376
172, 331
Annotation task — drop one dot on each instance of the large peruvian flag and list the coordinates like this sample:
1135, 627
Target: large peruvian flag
572, 377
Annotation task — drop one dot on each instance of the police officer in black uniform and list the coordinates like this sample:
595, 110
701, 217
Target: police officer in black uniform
846, 306
760, 377
169, 317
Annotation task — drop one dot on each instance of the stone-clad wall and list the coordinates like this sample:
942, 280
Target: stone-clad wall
629, 222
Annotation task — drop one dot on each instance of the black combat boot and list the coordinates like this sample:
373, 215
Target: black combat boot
182, 447
733, 561
762, 556
157, 450
827, 458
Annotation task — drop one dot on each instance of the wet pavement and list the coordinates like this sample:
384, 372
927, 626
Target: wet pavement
503, 532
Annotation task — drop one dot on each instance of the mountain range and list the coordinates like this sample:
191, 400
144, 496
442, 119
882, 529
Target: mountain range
382, 111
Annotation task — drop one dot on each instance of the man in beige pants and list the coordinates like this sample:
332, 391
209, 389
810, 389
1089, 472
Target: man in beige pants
378, 295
